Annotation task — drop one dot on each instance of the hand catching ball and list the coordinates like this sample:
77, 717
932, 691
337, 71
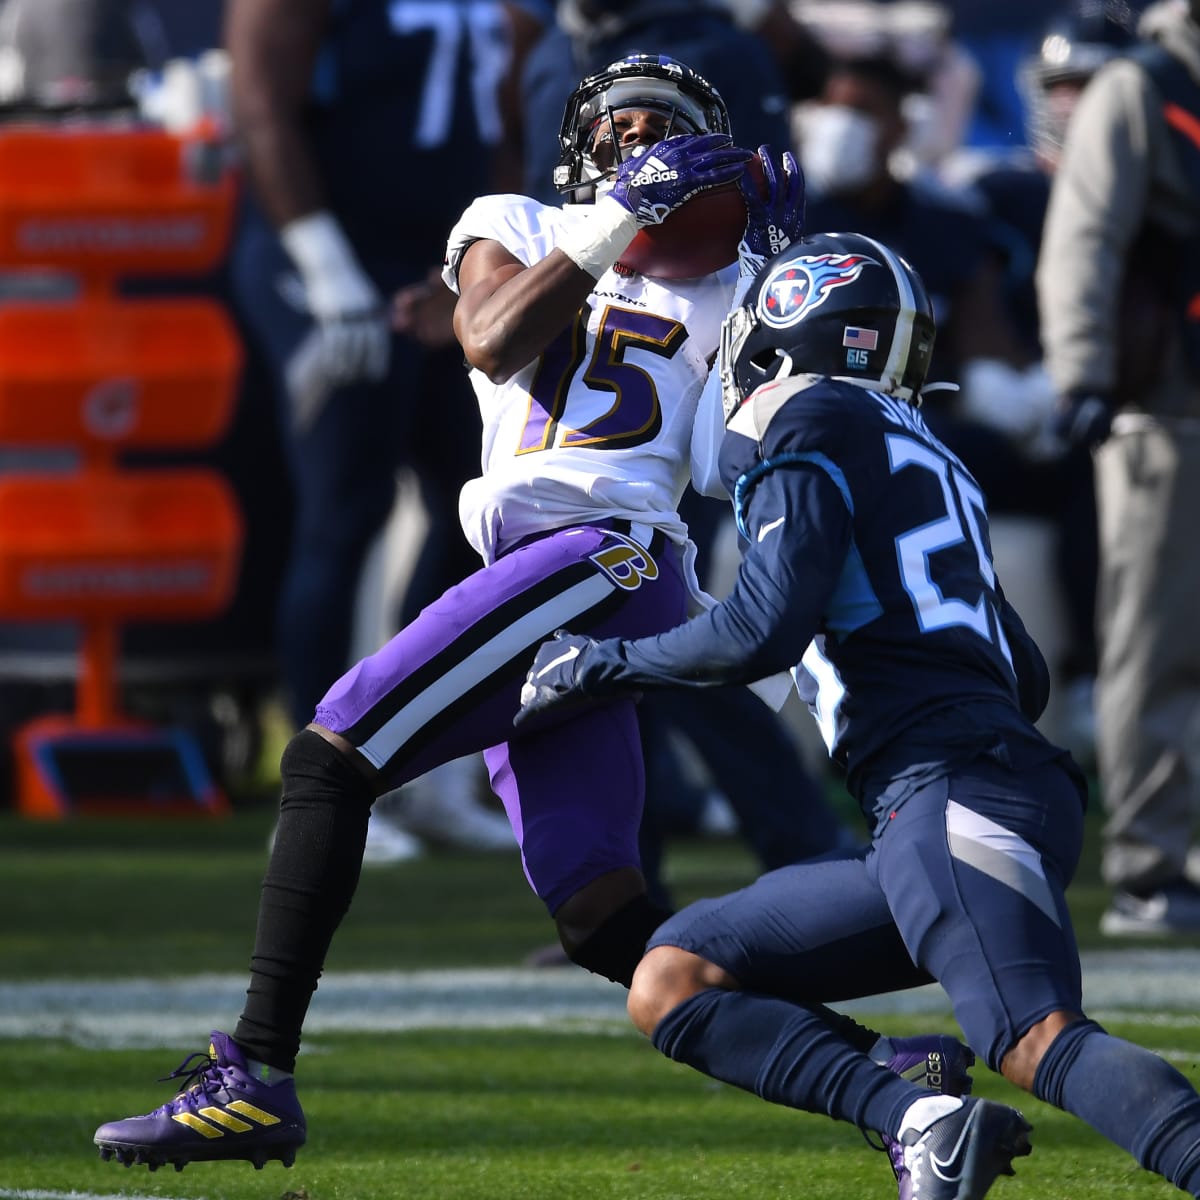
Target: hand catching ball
698, 238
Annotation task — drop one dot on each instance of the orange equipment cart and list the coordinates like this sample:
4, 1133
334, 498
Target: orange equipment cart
100, 373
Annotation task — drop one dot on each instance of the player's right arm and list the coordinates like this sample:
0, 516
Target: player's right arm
273, 46
508, 313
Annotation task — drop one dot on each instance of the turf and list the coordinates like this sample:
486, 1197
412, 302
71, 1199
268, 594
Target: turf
514, 1116
165, 898
434, 1114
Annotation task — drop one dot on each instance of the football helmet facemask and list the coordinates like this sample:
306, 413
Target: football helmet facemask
835, 304
654, 82
1074, 46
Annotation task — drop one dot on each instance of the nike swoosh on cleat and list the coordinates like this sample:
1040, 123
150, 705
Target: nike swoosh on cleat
762, 533
950, 1169
573, 652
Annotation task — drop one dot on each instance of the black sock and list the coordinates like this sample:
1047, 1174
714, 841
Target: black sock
615, 948
311, 879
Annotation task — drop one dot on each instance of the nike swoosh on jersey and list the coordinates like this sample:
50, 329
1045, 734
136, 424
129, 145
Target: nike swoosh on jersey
775, 524
573, 652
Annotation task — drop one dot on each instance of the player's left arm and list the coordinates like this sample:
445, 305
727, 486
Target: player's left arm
800, 529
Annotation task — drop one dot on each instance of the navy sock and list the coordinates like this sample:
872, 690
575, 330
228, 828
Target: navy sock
1128, 1094
786, 1054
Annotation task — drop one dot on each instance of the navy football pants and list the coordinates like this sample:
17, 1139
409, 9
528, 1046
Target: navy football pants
963, 884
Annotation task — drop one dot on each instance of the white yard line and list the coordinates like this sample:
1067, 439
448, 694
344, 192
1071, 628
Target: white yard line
175, 1012
42, 1194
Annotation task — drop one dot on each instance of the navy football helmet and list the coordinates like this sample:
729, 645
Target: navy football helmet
835, 304
1074, 46
650, 81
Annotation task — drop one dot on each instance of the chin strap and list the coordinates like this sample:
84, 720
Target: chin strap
934, 387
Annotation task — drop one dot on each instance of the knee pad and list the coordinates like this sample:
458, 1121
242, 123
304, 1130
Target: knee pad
316, 769
616, 946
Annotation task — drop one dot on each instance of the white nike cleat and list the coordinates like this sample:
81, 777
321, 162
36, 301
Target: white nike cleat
958, 1156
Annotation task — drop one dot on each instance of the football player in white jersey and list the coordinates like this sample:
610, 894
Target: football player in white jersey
588, 376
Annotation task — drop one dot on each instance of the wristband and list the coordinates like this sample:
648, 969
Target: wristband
317, 244
596, 243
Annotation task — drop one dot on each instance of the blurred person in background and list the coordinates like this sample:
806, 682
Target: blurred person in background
1119, 294
1030, 469
848, 141
340, 106
920, 37
76, 56
999, 35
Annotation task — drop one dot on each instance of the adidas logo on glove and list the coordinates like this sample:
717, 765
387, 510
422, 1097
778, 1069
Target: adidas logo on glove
654, 171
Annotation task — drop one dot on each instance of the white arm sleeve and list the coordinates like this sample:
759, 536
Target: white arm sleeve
709, 429
707, 434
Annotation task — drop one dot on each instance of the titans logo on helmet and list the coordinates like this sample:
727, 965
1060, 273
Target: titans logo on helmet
802, 284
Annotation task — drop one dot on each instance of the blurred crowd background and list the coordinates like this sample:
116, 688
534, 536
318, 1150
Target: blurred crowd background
936, 127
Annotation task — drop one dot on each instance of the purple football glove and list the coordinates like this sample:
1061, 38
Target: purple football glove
775, 223
667, 175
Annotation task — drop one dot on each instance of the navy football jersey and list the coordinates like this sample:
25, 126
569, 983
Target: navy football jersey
404, 115
868, 564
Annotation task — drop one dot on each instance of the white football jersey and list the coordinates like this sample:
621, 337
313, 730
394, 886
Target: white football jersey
601, 423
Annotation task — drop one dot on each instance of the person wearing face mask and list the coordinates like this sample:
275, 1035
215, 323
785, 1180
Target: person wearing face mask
848, 139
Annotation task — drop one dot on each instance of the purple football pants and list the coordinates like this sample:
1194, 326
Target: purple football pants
449, 684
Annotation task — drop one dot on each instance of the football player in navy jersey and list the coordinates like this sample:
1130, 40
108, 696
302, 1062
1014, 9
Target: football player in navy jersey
868, 568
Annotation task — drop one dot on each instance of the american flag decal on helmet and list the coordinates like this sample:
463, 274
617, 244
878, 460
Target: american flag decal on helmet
860, 339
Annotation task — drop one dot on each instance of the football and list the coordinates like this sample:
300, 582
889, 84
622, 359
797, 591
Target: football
698, 238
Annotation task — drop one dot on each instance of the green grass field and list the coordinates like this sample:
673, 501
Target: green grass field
587, 1110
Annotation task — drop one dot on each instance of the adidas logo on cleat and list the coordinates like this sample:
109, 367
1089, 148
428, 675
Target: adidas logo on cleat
224, 1111
213, 1122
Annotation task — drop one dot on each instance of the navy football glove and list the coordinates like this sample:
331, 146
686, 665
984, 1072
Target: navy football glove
551, 682
667, 175
1084, 419
773, 223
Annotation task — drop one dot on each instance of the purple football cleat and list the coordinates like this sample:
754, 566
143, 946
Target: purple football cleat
221, 1112
935, 1061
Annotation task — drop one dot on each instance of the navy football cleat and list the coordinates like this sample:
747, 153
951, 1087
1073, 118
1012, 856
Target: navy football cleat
221, 1112
960, 1155
934, 1061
